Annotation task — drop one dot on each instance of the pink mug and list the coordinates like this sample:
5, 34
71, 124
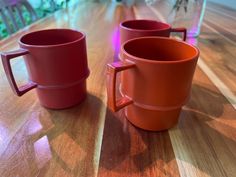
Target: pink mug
56, 61
140, 28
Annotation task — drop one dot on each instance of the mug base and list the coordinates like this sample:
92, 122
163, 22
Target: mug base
62, 98
152, 120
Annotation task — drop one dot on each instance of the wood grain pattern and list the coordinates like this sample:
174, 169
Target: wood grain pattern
130, 151
90, 140
220, 44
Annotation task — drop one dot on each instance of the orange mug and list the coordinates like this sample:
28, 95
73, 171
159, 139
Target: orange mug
56, 61
156, 80
140, 28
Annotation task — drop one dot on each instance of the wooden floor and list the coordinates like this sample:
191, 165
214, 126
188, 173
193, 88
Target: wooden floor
90, 140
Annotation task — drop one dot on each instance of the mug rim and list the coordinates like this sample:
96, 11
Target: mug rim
158, 61
168, 26
53, 45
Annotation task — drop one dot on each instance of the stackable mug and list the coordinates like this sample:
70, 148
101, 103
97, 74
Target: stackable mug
156, 79
56, 62
140, 28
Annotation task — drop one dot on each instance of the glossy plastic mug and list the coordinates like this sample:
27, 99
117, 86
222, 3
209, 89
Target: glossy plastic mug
140, 28
156, 79
56, 62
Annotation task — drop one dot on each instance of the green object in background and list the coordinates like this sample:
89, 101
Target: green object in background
3, 31
42, 10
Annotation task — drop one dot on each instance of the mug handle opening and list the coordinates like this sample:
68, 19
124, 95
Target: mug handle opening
181, 30
6, 57
112, 70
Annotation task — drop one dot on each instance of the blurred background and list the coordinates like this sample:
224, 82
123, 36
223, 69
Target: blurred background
17, 14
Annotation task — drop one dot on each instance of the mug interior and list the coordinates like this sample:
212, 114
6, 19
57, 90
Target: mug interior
159, 49
145, 25
51, 37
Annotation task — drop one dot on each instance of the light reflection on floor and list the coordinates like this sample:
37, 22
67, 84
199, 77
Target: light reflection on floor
42, 152
3, 136
34, 124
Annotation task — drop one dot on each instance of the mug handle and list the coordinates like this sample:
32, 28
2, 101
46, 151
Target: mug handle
6, 57
181, 30
112, 70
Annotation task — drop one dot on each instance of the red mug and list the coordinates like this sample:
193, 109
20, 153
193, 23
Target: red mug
156, 79
140, 28
56, 62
